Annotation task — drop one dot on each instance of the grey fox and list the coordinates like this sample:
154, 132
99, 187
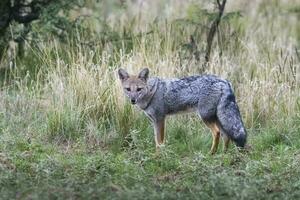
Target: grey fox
211, 96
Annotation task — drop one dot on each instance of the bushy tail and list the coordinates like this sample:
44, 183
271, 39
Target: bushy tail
230, 119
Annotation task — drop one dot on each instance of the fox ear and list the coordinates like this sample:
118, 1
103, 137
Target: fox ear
123, 75
144, 74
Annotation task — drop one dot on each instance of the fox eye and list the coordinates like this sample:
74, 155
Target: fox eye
128, 89
138, 89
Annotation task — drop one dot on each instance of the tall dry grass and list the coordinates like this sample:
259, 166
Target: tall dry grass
76, 90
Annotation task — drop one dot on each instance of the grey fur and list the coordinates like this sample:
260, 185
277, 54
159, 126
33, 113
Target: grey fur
123, 75
144, 74
210, 95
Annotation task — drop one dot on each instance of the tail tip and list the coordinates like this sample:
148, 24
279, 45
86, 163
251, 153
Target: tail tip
241, 141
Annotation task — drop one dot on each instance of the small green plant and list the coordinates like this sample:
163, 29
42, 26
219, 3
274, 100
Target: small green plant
65, 124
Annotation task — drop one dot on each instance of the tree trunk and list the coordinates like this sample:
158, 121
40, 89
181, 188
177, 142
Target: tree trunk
213, 29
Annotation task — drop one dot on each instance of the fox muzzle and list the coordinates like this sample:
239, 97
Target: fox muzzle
133, 101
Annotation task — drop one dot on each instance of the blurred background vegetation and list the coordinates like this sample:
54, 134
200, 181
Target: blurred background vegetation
67, 132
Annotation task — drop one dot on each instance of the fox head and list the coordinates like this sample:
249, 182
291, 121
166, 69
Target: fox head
135, 87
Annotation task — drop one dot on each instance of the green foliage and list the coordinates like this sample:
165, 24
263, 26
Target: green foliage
232, 15
55, 21
196, 14
64, 124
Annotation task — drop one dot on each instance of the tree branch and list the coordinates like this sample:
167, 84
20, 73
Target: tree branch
213, 29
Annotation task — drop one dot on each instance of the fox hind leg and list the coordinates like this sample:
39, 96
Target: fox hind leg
226, 141
207, 110
215, 130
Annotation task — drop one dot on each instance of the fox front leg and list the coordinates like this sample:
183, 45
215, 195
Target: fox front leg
159, 132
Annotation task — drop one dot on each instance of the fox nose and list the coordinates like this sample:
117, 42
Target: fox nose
133, 101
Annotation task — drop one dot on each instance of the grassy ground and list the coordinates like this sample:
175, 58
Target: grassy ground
67, 132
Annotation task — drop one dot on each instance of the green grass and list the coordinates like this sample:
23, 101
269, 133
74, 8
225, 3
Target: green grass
33, 166
67, 132
35, 169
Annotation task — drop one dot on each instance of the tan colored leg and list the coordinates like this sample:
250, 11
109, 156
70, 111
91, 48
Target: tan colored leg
216, 136
159, 131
